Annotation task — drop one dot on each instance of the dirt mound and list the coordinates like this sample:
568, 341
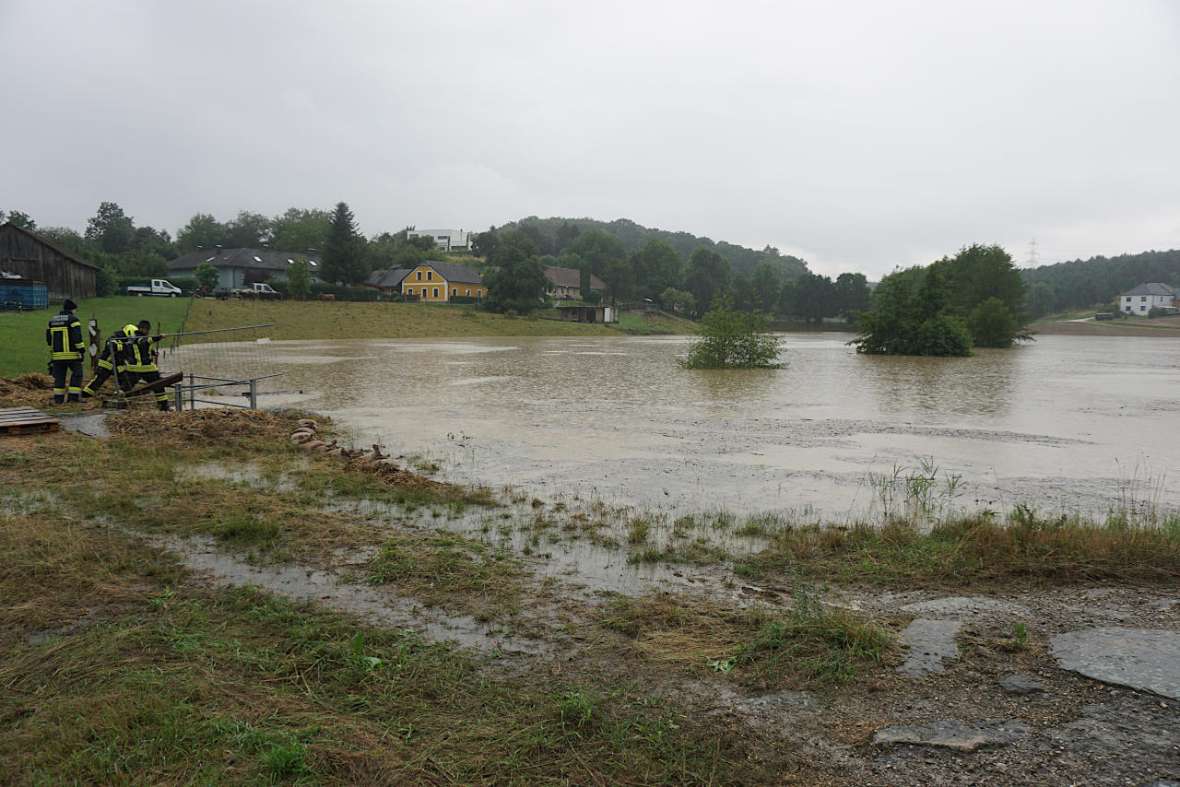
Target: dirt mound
208, 426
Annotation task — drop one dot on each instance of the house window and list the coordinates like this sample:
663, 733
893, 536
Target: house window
419, 275
1142, 298
468, 293
429, 275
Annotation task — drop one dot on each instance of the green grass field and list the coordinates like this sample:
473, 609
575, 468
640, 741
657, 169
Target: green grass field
22, 334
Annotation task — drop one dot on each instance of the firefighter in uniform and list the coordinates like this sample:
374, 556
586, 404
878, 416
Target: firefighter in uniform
141, 358
64, 337
112, 360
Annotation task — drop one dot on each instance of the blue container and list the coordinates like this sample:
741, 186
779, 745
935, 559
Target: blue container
23, 295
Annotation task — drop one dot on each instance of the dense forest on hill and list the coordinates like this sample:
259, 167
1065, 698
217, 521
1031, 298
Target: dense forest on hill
551, 239
1084, 283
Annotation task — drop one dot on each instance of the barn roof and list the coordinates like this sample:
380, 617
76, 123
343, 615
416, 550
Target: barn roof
570, 277
1155, 288
69, 255
255, 259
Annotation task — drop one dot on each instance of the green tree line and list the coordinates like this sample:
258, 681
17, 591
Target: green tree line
657, 271
1096, 282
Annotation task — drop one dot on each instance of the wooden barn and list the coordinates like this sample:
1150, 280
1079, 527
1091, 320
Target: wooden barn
28, 255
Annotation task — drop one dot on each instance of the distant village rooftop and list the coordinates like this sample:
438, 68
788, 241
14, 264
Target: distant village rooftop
1154, 288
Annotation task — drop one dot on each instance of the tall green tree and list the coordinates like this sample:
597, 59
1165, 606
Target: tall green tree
206, 276
980, 272
766, 284
344, 253
910, 316
598, 249
202, 232
153, 241
300, 230
813, 297
708, 276
484, 243
566, 234
110, 229
517, 284
299, 279
19, 219
247, 230
656, 267
852, 294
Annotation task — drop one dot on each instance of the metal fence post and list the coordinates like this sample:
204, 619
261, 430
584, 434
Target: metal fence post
253, 394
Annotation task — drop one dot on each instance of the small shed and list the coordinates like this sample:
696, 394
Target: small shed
574, 312
30, 256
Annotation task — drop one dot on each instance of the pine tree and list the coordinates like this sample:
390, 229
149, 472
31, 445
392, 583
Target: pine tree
344, 257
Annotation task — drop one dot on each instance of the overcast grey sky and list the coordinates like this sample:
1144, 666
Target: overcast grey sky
859, 135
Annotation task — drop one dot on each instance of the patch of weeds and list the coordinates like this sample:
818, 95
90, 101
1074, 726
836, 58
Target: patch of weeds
812, 645
13, 459
1018, 642
286, 761
575, 708
809, 646
638, 531
244, 529
761, 526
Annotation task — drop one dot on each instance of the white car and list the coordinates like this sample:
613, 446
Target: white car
161, 287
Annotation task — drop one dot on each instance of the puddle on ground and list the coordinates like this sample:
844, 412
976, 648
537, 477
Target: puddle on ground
89, 424
248, 474
592, 559
375, 605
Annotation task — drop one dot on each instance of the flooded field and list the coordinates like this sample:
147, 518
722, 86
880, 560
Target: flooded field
1068, 423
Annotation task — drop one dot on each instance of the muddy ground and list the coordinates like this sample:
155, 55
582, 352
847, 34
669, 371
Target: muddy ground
971, 689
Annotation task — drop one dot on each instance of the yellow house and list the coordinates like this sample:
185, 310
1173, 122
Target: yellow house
441, 281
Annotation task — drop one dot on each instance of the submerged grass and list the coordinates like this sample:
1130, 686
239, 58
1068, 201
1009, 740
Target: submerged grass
439, 567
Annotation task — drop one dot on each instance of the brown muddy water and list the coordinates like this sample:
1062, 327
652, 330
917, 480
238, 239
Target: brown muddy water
1068, 423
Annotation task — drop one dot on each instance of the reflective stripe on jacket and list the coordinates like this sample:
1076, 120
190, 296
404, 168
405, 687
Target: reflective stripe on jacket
141, 355
64, 337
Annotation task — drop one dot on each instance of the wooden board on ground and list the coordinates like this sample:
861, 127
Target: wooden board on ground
158, 385
26, 420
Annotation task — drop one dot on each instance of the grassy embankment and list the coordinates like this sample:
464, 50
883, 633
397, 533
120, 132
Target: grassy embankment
22, 334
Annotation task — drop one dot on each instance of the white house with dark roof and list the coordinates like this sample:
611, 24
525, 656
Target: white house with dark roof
237, 268
1146, 297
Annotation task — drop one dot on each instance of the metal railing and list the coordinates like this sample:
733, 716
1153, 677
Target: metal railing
196, 383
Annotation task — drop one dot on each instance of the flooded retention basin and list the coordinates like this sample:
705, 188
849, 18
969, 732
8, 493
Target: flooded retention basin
1064, 424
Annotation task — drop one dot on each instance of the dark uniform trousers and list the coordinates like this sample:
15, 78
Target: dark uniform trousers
110, 360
